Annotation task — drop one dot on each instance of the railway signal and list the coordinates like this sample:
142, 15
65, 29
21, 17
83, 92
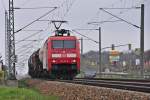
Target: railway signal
112, 47
130, 46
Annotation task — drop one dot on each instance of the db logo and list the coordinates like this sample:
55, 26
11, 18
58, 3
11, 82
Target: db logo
63, 55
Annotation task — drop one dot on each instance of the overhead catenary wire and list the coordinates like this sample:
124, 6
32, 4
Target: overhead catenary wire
28, 45
29, 36
33, 8
24, 46
32, 41
123, 10
119, 18
111, 5
69, 7
84, 36
36, 20
27, 51
110, 18
21, 51
121, 45
101, 22
64, 9
24, 60
30, 30
35, 40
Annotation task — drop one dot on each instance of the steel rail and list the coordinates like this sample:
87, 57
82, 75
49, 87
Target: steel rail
124, 85
110, 79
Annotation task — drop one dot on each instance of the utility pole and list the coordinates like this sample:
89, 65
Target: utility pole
142, 40
11, 42
100, 55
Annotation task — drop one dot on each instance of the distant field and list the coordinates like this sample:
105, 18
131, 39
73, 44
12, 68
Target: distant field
11, 93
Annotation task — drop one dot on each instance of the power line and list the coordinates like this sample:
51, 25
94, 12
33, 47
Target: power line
45, 20
123, 8
109, 19
85, 36
69, 7
104, 22
36, 20
29, 30
31, 40
114, 3
18, 8
24, 46
23, 53
119, 18
24, 50
86, 29
30, 36
121, 12
121, 45
64, 9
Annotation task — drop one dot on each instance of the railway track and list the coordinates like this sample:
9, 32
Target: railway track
125, 84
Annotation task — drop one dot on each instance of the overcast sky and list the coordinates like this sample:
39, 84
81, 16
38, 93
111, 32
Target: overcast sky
78, 15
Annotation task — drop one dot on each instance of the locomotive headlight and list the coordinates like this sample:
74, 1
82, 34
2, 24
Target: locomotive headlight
56, 55
74, 61
53, 61
72, 55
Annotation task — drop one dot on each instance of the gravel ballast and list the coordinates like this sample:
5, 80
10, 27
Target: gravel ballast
69, 91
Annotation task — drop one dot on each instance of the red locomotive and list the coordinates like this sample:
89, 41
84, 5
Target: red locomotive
58, 58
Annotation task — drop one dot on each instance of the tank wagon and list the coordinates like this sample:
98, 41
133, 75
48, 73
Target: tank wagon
58, 58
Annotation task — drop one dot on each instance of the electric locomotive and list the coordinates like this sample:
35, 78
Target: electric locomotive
58, 58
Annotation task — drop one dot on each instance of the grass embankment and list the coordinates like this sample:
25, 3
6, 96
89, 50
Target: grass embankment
14, 93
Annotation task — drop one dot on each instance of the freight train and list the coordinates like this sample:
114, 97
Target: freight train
58, 58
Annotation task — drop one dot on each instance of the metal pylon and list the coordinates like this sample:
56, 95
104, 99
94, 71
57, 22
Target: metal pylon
11, 42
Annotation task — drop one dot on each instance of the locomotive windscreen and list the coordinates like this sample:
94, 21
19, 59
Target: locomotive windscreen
63, 44
57, 43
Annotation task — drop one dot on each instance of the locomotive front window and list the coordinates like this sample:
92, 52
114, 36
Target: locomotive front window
57, 44
69, 43
63, 44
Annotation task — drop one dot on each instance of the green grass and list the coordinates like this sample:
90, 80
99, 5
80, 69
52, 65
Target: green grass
13, 93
